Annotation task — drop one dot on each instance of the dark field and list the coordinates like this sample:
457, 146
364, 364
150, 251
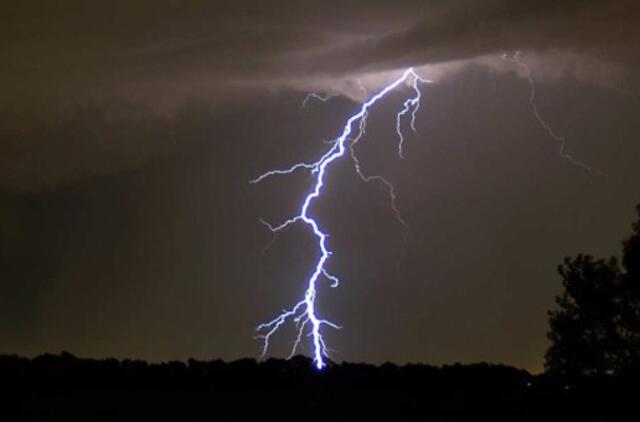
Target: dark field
65, 388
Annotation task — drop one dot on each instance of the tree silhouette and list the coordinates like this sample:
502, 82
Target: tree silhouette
596, 329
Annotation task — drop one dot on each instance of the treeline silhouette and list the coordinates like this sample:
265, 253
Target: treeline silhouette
596, 326
65, 388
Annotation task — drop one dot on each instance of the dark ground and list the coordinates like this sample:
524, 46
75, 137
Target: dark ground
66, 388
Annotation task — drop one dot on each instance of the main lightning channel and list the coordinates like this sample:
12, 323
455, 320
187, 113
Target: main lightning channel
304, 313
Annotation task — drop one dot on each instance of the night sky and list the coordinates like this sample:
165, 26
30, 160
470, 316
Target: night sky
129, 132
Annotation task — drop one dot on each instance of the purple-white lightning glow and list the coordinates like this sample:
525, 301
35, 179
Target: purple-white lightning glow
304, 313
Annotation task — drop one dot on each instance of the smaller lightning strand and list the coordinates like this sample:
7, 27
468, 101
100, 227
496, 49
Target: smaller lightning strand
304, 312
327, 96
561, 140
320, 97
391, 191
374, 178
410, 105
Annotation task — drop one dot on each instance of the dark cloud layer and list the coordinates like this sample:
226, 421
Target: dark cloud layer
468, 29
161, 49
59, 58
128, 131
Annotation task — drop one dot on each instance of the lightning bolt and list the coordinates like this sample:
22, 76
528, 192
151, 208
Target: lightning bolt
304, 313
561, 140
320, 97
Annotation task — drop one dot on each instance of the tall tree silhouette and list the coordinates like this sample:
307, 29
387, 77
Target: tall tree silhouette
596, 329
630, 319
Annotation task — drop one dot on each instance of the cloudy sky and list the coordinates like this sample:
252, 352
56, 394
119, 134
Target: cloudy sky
129, 132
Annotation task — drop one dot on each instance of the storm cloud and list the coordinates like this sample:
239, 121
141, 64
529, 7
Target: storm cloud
60, 61
171, 48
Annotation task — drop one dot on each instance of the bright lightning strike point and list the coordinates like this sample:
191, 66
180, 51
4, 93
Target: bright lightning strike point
304, 313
